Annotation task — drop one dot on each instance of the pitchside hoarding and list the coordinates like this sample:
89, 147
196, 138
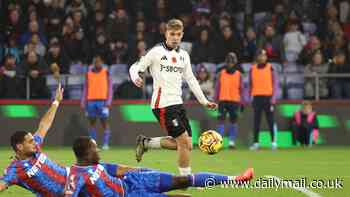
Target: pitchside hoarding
128, 119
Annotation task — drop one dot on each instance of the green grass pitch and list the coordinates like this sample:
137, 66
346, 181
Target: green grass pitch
323, 163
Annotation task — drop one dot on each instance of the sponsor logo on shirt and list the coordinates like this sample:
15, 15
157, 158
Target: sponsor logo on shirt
37, 166
171, 68
96, 175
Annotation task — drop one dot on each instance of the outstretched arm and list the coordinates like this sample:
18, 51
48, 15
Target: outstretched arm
47, 119
194, 85
140, 66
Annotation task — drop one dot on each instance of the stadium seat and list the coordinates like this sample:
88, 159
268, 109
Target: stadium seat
77, 69
75, 86
295, 86
187, 46
211, 67
119, 73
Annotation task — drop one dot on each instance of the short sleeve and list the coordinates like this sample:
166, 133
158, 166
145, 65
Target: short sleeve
10, 176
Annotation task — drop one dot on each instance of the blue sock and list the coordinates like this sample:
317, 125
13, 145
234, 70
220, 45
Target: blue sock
221, 129
106, 136
166, 181
203, 179
232, 129
93, 133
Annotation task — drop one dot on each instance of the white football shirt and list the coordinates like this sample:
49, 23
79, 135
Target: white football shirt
168, 67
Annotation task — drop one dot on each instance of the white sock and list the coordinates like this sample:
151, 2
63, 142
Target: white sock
154, 142
185, 171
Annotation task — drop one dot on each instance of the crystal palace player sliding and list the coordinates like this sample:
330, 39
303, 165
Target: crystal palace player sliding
89, 178
32, 169
169, 65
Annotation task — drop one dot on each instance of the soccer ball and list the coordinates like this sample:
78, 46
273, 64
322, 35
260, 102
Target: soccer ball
210, 142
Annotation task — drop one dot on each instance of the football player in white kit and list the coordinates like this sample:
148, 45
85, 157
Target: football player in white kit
169, 65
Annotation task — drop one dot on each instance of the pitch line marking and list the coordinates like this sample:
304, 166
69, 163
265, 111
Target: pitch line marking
307, 192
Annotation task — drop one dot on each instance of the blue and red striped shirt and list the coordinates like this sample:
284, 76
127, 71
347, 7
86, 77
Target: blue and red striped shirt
38, 174
93, 181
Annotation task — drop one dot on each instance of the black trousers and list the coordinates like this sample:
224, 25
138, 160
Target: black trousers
301, 134
263, 104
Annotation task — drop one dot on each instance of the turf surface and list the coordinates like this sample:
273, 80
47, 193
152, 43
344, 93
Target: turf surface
321, 163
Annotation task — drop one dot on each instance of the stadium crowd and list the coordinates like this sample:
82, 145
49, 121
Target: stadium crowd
51, 37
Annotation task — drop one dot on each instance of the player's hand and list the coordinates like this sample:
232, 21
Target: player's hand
59, 93
139, 82
212, 105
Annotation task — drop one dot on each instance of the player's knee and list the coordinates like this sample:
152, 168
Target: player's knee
184, 144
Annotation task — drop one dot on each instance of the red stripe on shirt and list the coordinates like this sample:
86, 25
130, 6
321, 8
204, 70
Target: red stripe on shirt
36, 186
90, 187
158, 98
53, 174
115, 186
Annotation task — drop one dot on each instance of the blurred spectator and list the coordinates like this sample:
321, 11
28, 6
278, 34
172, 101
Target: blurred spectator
337, 44
101, 47
14, 26
78, 20
201, 22
33, 16
57, 56
249, 45
317, 66
339, 87
35, 68
293, 42
186, 19
203, 49
279, 18
206, 82
81, 47
9, 78
35, 45
99, 24
118, 25
13, 49
227, 43
203, 6
305, 125
159, 35
314, 45
138, 52
160, 11
55, 20
33, 28
272, 44
118, 52
141, 34
76, 5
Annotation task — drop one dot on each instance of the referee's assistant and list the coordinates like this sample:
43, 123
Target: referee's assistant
263, 86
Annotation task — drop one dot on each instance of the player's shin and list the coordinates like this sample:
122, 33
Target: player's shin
184, 159
93, 133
